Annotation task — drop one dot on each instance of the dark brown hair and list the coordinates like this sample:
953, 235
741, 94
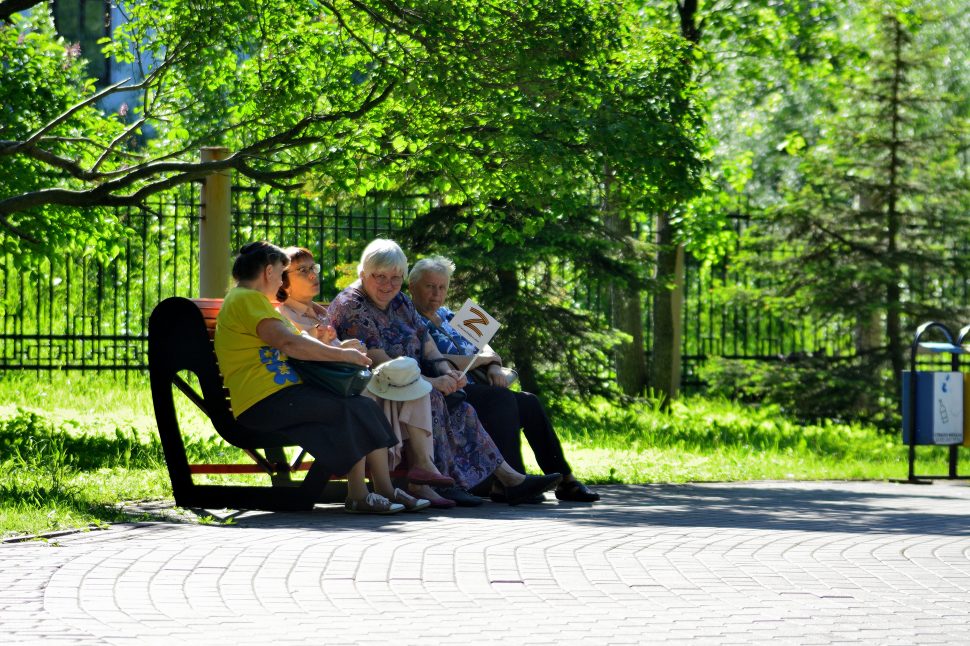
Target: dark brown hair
254, 257
294, 254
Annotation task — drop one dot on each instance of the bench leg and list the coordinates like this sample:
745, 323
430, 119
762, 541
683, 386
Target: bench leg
281, 478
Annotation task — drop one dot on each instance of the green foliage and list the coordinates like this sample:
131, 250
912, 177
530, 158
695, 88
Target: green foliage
32, 442
55, 478
806, 388
44, 77
618, 136
871, 227
708, 439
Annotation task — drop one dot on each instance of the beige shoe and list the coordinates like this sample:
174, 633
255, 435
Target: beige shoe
410, 502
372, 504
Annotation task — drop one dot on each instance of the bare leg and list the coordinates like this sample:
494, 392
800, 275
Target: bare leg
356, 487
508, 476
379, 475
420, 449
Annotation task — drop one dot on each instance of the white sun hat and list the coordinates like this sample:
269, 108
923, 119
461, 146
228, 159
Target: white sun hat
398, 380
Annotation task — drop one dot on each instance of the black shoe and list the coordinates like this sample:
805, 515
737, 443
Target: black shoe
576, 491
482, 488
460, 496
531, 486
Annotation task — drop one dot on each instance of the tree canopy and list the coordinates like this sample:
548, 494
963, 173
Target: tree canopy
466, 101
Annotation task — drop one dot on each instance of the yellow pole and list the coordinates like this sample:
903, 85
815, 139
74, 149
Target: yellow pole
214, 251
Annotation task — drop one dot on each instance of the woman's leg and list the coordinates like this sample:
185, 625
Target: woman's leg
521, 488
542, 437
508, 476
498, 411
379, 475
419, 449
356, 487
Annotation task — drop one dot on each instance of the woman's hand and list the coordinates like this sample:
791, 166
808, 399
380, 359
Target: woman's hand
459, 378
497, 377
324, 333
353, 344
355, 357
488, 355
445, 384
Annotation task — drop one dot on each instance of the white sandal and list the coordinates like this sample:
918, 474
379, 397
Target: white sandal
372, 504
410, 502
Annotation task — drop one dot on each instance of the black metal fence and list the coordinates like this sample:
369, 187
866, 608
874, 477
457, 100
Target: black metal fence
78, 313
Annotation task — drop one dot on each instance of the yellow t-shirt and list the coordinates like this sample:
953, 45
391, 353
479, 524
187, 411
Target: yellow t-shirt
251, 370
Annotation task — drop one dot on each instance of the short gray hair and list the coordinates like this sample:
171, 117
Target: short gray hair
382, 254
436, 264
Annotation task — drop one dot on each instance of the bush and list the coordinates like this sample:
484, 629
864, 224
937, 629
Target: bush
806, 387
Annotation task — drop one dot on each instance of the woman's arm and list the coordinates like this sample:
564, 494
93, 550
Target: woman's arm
275, 334
378, 355
450, 379
484, 358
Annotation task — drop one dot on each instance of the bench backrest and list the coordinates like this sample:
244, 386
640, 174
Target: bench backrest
180, 339
180, 333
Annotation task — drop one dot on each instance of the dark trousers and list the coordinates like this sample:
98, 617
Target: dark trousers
504, 413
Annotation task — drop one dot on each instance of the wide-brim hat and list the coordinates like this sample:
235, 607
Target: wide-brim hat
398, 380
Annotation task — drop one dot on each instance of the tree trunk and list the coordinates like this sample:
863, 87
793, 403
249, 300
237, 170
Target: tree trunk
667, 312
626, 307
894, 294
669, 295
519, 344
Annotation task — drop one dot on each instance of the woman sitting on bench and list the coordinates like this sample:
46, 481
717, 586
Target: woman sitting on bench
252, 341
410, 419
374, 310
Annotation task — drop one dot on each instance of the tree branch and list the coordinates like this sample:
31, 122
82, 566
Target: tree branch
9, 7
64, 116
107, 151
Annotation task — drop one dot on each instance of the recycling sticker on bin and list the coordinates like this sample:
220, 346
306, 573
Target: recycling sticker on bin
948, 404
946, 407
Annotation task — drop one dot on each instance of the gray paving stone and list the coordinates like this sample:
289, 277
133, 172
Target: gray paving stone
742, 563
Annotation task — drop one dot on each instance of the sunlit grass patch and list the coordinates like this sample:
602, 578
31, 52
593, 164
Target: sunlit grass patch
72, 448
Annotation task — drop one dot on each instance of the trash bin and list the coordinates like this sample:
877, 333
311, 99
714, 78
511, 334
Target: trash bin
939, 415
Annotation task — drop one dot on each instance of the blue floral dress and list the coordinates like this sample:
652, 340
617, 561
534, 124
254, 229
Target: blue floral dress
447, 338
462, 448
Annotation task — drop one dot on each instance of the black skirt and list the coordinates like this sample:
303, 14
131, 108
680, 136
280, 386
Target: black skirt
337, 431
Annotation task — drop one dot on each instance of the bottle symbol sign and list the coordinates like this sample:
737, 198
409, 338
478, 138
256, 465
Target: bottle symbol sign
944, 416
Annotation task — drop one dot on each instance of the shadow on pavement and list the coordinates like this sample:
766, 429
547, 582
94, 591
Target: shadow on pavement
823, 507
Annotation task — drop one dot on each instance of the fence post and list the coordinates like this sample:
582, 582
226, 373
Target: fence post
214, 252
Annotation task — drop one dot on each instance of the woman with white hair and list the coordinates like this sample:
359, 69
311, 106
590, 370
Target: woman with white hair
409, 417
253, 343
503, 412
374, 310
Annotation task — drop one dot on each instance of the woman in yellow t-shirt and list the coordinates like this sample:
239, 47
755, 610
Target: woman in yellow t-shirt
252, 343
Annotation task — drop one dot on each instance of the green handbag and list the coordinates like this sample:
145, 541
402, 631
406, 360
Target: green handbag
343, 379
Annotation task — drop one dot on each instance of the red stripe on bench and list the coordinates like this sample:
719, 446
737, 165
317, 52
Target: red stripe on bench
237, 468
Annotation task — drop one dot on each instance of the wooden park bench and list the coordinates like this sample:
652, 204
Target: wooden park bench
180, 333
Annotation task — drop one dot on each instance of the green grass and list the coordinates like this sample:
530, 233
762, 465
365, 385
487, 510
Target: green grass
73, 446
709, 440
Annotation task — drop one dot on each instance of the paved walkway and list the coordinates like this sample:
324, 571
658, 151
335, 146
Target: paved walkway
799, 563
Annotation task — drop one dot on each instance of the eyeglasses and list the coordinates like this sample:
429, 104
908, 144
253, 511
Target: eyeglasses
309, 269
382, 279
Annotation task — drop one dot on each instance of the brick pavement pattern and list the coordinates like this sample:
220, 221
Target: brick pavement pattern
740, 563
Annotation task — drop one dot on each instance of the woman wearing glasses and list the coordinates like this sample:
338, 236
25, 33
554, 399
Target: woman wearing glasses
410, 420
253, 342
374, 310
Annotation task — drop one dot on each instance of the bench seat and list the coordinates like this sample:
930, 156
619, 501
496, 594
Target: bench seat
180, 333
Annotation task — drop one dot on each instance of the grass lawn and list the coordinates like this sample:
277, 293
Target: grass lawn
72, 446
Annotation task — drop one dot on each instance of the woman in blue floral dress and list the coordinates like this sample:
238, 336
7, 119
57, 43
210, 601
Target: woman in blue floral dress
375, 311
